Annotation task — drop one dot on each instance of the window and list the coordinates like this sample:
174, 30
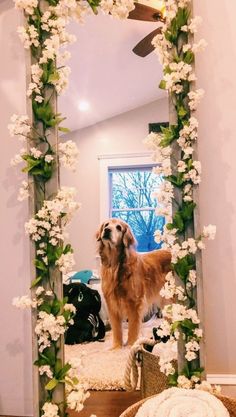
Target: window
140, 215
131, 199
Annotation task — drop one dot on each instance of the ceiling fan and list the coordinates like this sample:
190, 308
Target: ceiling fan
149, 14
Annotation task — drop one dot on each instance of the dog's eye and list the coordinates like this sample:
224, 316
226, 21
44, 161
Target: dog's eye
106, 224
118, 227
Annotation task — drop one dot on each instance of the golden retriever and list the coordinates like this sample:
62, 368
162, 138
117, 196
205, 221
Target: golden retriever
131, 281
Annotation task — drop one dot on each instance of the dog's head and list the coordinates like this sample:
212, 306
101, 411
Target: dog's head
115, 232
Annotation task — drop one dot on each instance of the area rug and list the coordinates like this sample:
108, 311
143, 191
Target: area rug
103, 369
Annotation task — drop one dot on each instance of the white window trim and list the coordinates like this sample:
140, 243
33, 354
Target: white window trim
113, 161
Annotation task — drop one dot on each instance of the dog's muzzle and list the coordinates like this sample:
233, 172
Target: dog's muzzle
106, 233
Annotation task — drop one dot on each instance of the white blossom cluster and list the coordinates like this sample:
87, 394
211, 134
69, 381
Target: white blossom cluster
23, 191
117, 8
19, 126
66, 263
170, 289
76, 392
50, 410
49, 328
68, 154
48, 223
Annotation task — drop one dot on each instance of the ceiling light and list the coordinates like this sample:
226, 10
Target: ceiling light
83, 105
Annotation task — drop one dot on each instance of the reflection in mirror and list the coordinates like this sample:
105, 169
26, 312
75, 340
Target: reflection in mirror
112, 101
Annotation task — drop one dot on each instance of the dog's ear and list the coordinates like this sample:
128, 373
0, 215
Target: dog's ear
99, 232
128, 238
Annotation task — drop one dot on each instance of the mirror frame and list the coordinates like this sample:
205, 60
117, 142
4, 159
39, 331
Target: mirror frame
175, 47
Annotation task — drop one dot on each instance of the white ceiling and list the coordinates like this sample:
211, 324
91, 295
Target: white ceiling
106, 73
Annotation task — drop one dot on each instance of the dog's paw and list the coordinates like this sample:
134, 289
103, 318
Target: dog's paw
116, 346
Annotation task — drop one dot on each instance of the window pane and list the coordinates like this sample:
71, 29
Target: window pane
143, 224
133, 188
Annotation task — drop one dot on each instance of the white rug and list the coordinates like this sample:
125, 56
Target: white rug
104, 368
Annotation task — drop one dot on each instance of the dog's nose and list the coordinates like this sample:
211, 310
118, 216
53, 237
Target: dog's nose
106, 232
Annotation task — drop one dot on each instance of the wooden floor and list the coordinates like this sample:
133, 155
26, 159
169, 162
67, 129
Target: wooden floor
107, 403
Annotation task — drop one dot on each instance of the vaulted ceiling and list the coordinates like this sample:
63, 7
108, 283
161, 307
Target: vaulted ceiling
105, 71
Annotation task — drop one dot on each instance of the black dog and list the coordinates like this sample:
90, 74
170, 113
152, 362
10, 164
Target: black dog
88, 325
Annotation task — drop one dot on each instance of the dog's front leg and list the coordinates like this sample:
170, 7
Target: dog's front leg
116, 326
135, 320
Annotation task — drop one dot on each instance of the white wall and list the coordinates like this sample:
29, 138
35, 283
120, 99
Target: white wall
15, 343
120, 134
217, 150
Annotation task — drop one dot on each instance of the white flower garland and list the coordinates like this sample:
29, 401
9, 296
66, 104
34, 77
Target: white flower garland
176, 51
45, 35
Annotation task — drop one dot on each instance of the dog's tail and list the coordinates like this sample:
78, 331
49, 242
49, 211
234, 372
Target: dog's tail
165, 260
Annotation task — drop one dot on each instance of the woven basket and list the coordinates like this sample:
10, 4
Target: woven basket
153, 380
229, 403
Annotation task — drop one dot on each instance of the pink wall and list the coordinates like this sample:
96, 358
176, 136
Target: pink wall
217, 150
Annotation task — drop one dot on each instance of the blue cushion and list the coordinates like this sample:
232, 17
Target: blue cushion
82, 276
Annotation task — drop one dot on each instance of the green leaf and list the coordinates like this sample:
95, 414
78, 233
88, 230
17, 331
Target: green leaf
183, 266
56, 306
53, 77
178, 222
64, 129
40, 265
63, 371
172, 379
51, 384
188, 57
182, 112
187, 210
67, 249
45, 307
162, 84
36, 281
50, 355
58, 366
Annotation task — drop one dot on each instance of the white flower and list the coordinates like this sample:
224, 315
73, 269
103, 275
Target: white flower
68, 154
209, 232
23, 191
184, 382
194, 23
49, 327
194, 98
27, 5
200, 46
76, 398
50, 410
48, 158
66, 262
190, 356
20, 126
70, 307
192, 277
198, 332
23, 302
39, 291
45, 370
36, 153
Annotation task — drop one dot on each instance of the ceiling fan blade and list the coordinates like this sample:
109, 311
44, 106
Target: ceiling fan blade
144, 12
145, 47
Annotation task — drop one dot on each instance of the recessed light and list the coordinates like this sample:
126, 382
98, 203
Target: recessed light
83, 105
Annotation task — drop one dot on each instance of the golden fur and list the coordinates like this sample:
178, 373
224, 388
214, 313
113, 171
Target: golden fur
131, 281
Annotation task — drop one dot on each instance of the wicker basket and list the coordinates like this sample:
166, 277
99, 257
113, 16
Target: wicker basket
153, 380
229, 403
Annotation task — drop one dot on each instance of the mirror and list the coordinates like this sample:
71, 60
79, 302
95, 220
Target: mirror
112, 98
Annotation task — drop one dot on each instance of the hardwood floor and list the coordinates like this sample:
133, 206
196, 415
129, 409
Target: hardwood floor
107, 403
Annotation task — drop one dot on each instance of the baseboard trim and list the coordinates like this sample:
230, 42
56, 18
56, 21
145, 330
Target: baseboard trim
222, 379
